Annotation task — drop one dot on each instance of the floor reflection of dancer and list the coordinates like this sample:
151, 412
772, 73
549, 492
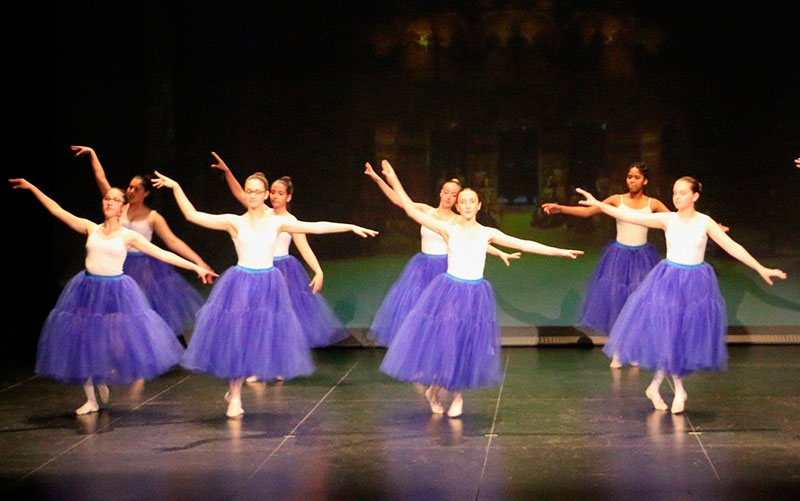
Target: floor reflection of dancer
675, 322
170, 294
320, 324
451, 337
102, 329
625, 261
247, 326
430, 261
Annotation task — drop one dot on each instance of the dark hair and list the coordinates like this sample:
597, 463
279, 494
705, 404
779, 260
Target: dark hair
467, 188
696, 185
287, 182
147, 181
642, 168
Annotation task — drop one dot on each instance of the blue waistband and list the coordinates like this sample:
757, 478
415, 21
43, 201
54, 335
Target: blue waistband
632, 247
679, 265
254, 270
434, 256
466, 281
105, 277
281, 258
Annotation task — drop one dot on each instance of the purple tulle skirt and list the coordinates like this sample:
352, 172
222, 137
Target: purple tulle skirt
248, 327
451, 337
675, 321
103, 328
404, 293
619, 271
170, 294
320, 324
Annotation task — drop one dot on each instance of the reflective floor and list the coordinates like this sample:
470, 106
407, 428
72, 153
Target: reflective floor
563, 425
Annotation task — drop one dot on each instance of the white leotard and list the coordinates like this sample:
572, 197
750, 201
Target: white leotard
285, 238
686, 240
105, 256
632, 235
430, 241
466, 256
139, 226
255, 246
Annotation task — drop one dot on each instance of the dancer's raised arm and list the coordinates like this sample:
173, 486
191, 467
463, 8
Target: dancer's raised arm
211, 221
97, 167
233, 184
79, 224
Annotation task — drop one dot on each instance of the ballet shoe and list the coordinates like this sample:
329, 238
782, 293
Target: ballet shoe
655, 397
679, 402
615, 364
456, 409
278, 379
87, 408
251, 379
102, 391
234, 408
436, 406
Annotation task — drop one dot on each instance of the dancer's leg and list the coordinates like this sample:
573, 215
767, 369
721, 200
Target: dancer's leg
234, 398
91, 404
432, 394
653, 393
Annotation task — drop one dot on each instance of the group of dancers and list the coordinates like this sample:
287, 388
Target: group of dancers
121, 320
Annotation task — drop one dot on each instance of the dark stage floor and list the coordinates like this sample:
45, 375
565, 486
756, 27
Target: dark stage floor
563, 425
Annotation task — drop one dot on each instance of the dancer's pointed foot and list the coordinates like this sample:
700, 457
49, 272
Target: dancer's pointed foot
87, 408
456, 407
436, 406
102, 391
234, 408
679, 402
615, 363
251, 379
655, 397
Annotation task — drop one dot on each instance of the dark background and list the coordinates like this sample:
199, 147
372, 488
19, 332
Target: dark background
269, 87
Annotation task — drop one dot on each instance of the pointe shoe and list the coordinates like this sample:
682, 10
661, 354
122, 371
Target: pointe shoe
436, 406
87, 408
615, 364
102, 391
679, 402
251, 379
655, 397
234, 408
456, 409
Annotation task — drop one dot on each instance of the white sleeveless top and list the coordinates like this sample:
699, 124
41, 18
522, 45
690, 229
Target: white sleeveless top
255, 247
139, 226
104, 256
632, 235
686, 241
430, 241
285, 238
466, 257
